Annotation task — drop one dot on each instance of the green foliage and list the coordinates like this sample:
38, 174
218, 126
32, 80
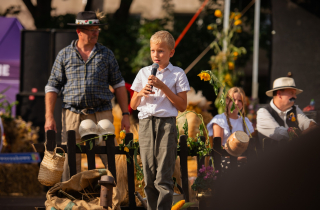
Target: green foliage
186, 128
6, 106
223, 61
196, 146
133, 145
146, 30
216, 83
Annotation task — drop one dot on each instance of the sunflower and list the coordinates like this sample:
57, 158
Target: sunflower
204, 76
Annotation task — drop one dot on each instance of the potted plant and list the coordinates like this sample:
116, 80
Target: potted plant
203, 184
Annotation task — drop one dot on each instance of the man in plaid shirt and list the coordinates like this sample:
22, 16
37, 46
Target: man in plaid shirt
82, 72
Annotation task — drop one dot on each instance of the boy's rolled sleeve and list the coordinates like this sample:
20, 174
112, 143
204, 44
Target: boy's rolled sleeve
182, 83
137, 83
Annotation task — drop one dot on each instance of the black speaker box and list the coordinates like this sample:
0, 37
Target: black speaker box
35, 60
39, 49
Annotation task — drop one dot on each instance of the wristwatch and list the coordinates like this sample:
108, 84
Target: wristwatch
125, 113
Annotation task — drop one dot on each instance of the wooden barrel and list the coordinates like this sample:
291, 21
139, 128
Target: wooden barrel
237, 143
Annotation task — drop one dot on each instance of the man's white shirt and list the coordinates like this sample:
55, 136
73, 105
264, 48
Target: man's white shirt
270, 128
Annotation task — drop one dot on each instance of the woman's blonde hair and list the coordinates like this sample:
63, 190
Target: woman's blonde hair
163, 36
231, 92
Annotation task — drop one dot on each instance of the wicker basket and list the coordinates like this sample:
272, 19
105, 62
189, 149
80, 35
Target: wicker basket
51, 167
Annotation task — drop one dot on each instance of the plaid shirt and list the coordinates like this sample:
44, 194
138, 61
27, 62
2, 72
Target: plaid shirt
85, 85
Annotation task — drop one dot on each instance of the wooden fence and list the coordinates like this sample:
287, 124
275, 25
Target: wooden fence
111, 150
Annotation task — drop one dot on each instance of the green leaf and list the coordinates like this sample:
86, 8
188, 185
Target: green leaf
222, 101
178, 134
216, 89
79, 147
175, 181
185, 127
232, 107
201, 129
91, 145
187, 205
128, 160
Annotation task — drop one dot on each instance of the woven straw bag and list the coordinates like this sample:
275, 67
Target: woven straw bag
51, 167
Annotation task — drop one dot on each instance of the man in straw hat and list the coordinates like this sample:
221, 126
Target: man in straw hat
281, 116
83, 72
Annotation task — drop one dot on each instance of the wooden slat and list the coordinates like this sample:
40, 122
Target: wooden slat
130, 173
251, 152
233, 162
184, 166
217, 157
71, 144
110, 149
51, 140
90, 152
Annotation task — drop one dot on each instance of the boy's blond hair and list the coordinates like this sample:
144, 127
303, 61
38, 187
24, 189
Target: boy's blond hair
163, 36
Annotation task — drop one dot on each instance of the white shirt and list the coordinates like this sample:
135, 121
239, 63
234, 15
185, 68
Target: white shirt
269, 127
158, 104
221, 120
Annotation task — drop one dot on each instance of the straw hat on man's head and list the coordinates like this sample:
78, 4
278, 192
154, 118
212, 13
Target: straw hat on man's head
283, 83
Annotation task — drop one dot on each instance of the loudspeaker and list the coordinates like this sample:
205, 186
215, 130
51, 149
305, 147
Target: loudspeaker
38, 51
62, 38
35, 59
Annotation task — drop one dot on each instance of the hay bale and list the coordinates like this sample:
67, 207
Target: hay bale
21, 179
19, 135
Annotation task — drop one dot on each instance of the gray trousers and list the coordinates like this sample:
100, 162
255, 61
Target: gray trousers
158, 150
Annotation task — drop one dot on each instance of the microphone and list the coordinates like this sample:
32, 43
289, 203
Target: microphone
154, 70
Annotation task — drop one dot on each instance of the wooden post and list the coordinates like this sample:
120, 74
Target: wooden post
184, 166
216, 156
90, 152
51, 140
130, 173
233, 162
71, 145
110, 146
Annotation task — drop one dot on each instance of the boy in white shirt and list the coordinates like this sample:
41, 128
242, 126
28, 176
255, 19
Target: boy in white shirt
159, 106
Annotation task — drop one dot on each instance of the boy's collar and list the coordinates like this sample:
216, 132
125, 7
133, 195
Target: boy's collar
170, 67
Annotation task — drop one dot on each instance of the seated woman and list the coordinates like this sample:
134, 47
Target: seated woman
223, 125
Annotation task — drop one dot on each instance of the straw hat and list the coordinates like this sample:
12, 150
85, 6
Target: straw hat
104, 127
86, 18
87, 127
283, 83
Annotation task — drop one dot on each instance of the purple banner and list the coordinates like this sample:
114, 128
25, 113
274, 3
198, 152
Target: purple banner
9, 69
10, 58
